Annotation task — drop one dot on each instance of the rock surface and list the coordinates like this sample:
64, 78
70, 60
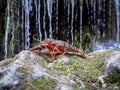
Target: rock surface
30, 71
26, 65
112, 63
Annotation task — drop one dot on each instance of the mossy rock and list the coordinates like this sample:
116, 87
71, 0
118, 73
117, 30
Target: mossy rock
42, 83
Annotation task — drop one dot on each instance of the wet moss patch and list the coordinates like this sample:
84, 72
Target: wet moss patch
44, 83
78, 69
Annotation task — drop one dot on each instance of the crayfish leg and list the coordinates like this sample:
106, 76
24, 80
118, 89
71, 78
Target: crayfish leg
63, 53
52, 55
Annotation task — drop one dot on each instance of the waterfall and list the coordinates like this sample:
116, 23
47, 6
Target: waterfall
117, 6
7, 28
71, 22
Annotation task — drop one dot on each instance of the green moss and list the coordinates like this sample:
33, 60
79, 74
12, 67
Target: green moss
113, 79
25, 72
78, 45
87, 39
87, 70
14, 5
44, 83
77, 69
58, 68
6, 62
76, 86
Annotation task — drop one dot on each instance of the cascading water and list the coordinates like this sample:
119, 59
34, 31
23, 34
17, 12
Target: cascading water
44, 18
49, 8
39, 26
103, 19
7, 28
68, 17
69, 20
56, 17
94, 15
27, 23
37, 20
117, 6
72, 18
13, 37
22, 22
81, 12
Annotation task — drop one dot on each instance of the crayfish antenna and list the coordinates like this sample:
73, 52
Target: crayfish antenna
35, 48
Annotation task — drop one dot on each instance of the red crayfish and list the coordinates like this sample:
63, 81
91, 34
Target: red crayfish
58, 47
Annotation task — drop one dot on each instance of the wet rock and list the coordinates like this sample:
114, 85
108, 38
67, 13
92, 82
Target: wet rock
23, 68
112, 63
33, 71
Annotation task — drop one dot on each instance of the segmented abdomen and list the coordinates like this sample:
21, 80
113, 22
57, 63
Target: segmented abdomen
76, 51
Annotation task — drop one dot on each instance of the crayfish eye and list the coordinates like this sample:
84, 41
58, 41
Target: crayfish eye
53, 43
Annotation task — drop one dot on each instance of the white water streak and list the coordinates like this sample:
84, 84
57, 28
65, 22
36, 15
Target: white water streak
68, 17
49, 8
27, 26
94, 8
81, 12
117, 5
104, 14
88, 10
57, 16
36, 8
94, 15
99, 10
39, 27
7, 29
13, 35
72, 19
44, 23
22, 25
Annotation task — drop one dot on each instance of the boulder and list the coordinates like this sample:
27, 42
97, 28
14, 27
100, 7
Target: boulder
112, 63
